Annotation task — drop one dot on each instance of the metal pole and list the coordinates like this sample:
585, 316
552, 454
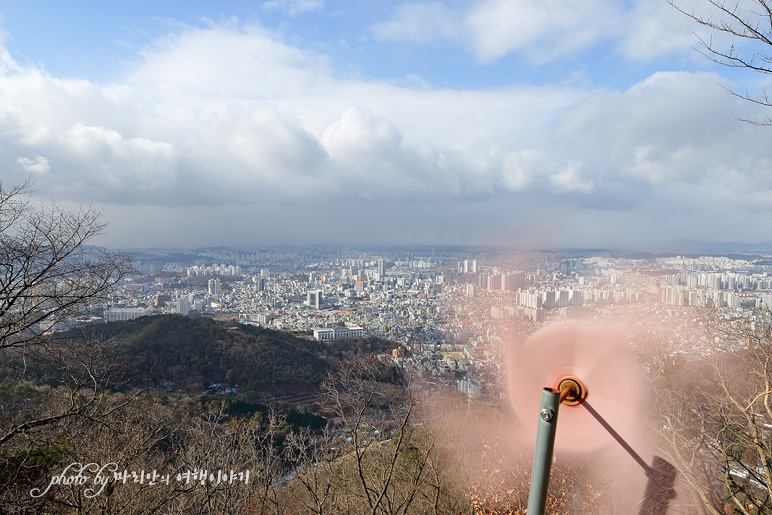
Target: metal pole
542, 457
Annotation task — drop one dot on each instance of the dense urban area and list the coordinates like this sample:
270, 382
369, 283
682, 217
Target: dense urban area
452, 311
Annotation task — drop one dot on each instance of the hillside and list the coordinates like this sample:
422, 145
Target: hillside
193, 352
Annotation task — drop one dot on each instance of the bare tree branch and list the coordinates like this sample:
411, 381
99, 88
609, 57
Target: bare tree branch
752, 27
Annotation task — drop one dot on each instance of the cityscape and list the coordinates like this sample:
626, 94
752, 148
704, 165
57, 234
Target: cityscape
318, 257
454, 311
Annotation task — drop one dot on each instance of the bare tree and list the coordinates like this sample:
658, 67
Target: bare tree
218, 445
716, 418
749, 23
315, 482
48, 272
383, 454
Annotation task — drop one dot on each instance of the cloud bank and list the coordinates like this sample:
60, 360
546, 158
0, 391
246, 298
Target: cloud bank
230, 117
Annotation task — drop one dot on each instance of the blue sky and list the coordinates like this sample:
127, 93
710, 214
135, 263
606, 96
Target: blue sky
594, 123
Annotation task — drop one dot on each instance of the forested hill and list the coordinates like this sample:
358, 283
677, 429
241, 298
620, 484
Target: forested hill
192, 352
195, 351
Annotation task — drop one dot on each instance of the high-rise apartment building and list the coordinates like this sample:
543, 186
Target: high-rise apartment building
183, 307
314, 299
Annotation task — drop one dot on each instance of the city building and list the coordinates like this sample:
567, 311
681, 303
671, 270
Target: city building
122, 314
183, 307
314, 299
338, 333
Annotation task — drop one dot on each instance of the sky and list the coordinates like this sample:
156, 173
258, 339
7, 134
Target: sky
592, 123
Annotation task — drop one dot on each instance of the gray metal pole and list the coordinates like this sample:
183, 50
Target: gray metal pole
542, 456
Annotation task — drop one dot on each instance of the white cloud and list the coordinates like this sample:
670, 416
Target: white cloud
653, 29
674, 128
231, 118
37, 164
401, 140
567, 180
543, 30
359, 135
113, 161
518, 169
540, 30
685, 162
225, 63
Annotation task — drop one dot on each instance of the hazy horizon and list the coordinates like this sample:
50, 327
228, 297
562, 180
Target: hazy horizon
685, 246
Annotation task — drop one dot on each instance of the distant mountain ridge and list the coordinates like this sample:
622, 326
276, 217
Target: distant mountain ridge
718, 246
